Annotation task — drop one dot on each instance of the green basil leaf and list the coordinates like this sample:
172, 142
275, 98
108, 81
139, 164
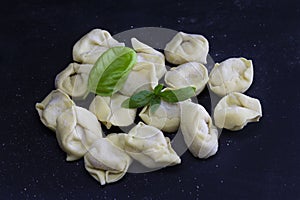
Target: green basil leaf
158, 89
111, 70
138, 100
173, 96
154, 104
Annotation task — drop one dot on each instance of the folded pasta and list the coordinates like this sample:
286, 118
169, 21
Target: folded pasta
142, 77
147, 145
74, 79
77, 129
198, 131
109, 110
52, 106
146, 53
235, 110
117, 139
231, 75
165, 118
106, 162
92, 45
189, 74
187, 48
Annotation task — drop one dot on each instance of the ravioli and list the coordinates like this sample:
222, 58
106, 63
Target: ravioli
52, 106
110, 112
185, 48
92, 45
165, 118
147, 54
200, 135
231, 75
189, 74
147, 145
106, 162
235, 110
77, 129
74, 79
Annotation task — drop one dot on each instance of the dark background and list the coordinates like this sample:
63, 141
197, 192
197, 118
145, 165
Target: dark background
260, 162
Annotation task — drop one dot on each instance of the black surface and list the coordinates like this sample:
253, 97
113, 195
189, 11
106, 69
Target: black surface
260, 162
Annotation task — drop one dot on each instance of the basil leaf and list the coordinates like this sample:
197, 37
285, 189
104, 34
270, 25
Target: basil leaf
154, 104
173, 96
138, 100
111, 70
158, 89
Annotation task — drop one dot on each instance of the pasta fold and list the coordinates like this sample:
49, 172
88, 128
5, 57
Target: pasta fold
147, 145
146, 54
106, 162
77, 129
110, 112
189, 74
165, 118
52, 106
198, 131
74, 79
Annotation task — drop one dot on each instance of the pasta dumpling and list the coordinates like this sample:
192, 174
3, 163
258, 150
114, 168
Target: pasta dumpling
165, 118
110, 112
231, 75
189, 74
147, 145
52, 106
146, 53
77, 129
106, 162
74, 79
92, 45
198, 131
141, 77
187, 48
117, 139
235, 110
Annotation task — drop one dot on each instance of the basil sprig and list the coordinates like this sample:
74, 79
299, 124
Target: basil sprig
153, 98
111, 70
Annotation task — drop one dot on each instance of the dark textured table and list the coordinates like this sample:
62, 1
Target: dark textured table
259, 162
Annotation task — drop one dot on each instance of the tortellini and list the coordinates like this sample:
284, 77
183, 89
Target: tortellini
235, 110
146, 53
188, 74
77, 129
187, 48
142, 77
91, 46
106, 162
117, 139
147, 145
109, 110
74, 79
199, 134
231, 75
52, 106
165, 118
108, 159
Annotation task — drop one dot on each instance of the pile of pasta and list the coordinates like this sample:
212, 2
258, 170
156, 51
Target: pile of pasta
107, 158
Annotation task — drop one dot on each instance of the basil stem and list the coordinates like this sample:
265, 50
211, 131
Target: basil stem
158, 89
